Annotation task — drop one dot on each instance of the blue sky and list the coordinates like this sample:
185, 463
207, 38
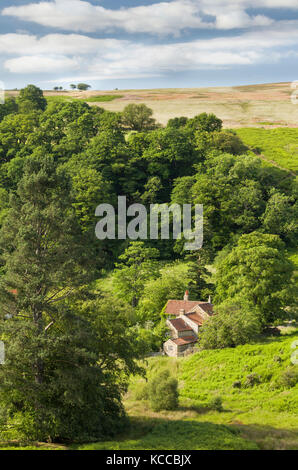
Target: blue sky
148, 43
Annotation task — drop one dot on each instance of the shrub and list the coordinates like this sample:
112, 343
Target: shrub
252, 380
216, 404
235, 323
289, 377
163, 392
237, 384
142, 392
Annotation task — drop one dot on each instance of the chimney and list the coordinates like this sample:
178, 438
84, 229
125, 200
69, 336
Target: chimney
181, 311
186, 295
209, 300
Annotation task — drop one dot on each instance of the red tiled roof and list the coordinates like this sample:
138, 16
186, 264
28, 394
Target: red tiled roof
195, 317
208, 308
185, 340
174, 306
180, 325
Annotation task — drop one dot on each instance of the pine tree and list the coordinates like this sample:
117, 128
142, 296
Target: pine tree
50, 351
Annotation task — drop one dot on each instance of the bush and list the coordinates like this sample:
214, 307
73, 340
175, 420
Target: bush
229, 142
234, 323
142, 392
216, 404
237, 384
163, 392
289, 378
252, 380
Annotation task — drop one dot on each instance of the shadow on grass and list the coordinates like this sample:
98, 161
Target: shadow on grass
165, 434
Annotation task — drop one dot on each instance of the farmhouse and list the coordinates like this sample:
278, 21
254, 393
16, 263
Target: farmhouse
185, 317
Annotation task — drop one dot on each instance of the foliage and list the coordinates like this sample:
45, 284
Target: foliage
172, 283
137, 265
205, 122
138, 117
10, 106
216, 404
177, 122
281, 216
83, 86
258, 269
61, 355
235, 322
163, 392
31, 99
267, 411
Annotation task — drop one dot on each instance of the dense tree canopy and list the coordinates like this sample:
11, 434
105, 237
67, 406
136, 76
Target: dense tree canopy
258, 270
76, 311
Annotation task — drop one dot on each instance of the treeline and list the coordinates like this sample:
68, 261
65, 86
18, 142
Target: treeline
76, 312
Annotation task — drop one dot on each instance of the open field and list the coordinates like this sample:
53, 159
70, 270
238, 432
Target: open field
259, 413
266, 105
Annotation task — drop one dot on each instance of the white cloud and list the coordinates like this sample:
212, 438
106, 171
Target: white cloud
76, 15
162, 18
55, 44
40, 64
109, 58
240, 19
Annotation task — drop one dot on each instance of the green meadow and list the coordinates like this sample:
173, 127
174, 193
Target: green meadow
279, 146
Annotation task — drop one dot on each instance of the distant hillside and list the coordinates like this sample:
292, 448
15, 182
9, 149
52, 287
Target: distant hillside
265, 105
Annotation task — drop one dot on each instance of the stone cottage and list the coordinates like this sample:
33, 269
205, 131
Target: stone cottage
185, 317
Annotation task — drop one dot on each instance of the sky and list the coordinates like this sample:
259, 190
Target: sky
137, 44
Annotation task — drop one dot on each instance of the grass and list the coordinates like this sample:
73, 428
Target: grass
164, 434
102, 98
245, 106
260, 415
90, 99
60, 99
265, 414
279, 146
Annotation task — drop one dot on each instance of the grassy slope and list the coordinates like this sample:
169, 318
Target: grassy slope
279, 146
263, 416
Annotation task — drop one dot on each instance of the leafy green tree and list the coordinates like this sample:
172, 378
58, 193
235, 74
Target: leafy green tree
163, 392
73, 86
230, 190
31, 99
83, 86
137, 265
235, 322
172, 283
177, 122
170, 154
138, 117
4, 204
8, 107
15, 130
205, 122
281, 216
45, 260
90, 190
258, 269
229, 142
